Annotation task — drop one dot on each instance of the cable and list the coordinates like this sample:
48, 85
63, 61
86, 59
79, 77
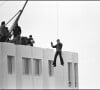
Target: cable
18, 12
57, 9
18, 17
13, 17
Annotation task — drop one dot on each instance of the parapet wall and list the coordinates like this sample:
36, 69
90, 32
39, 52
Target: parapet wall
26, 67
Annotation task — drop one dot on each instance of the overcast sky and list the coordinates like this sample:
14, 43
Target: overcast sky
76, 23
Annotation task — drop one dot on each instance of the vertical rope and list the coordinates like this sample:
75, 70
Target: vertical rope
57, 9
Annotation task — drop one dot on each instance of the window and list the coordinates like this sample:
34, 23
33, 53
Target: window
51, 69
70, 74
37, 67
11, 64
26, 66
76, 74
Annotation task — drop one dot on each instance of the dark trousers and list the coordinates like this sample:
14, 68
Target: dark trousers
3, 38
61, 59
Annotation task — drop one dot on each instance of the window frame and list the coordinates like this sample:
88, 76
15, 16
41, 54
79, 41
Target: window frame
26, 66
37, 64
11, 64
51, 68
69, 74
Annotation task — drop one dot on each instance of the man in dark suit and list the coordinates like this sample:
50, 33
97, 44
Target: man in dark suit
17, 31
58, 47
4, 32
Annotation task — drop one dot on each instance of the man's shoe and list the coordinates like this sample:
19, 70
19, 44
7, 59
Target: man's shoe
54, 65
62, 64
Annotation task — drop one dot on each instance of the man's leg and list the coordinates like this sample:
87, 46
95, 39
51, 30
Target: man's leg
5, 38
61, 59
54, 62
2, 39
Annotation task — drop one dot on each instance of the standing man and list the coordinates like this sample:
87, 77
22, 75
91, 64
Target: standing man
31, 40
4, 33
17, 31
17, 34
58, 47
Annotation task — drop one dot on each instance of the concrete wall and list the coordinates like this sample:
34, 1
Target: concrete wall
48, 81
9, 80
1, 68
19, 80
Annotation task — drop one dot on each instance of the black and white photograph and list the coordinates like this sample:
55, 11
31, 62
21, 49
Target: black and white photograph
49, 44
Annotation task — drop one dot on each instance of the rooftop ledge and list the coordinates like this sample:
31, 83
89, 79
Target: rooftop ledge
12, 44
29, 51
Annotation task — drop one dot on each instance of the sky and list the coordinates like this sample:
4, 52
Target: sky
76, 23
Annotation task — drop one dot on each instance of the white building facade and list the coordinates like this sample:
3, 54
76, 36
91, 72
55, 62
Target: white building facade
26, 67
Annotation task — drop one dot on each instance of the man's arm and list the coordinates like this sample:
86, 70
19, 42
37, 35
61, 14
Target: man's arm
53, 46
32, 40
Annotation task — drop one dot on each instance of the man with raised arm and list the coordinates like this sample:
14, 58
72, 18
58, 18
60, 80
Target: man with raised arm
58, 47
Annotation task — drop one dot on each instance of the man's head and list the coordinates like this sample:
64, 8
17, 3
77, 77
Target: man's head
58, 40
3, 23
30, 36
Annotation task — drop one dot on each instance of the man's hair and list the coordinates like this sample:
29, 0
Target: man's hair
3, 22
30, 35
58, 39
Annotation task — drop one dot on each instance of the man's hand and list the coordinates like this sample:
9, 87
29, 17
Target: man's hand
32, 41
51, 43
20, 10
